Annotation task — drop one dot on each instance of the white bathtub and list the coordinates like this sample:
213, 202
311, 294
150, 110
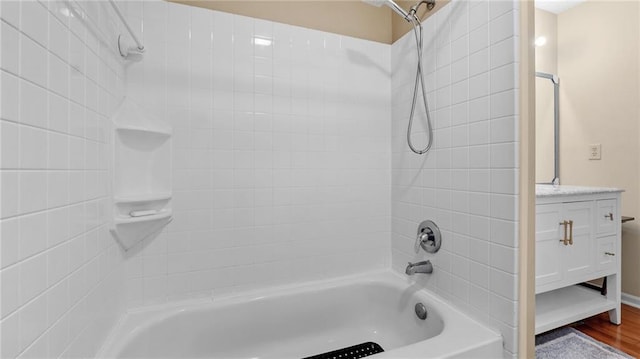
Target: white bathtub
304, 320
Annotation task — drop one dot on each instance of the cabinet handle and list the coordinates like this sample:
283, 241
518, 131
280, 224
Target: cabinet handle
571, 232
610, 216
609, 254
564, 239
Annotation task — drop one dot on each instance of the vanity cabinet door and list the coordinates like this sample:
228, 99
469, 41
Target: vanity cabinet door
579, 257
549, 249
607, 218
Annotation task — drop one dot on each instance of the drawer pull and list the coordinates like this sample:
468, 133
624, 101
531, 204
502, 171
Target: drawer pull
571, 232
609, 254
610, 216
564, 239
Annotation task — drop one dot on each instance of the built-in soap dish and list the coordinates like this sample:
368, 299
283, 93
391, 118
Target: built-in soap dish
129, 230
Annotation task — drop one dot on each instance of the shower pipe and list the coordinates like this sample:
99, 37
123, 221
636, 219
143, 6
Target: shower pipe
419, 81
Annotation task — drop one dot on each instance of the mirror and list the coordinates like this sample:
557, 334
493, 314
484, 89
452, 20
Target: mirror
547, 128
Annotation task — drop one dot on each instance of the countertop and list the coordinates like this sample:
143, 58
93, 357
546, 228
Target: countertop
547, 190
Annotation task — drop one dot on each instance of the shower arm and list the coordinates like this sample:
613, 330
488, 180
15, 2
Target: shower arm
414, 9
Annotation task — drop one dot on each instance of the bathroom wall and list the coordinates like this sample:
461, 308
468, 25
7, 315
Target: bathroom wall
281, 152
599, 67
61, 273
400, 26
546, 25
467, 182
349, 18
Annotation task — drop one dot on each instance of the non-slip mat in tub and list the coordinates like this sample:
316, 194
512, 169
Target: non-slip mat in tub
353, 352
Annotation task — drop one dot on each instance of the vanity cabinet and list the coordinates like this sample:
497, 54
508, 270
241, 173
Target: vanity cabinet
577, 240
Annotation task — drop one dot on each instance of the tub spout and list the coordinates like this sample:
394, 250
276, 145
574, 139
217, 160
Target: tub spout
419, 267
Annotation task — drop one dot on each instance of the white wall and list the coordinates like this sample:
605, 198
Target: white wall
599, 104
61, 276
281, 153
467, 184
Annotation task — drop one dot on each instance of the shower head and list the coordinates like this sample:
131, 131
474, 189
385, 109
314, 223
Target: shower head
390, 3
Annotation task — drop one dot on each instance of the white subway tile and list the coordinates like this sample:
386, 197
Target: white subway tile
478, 13
504, 207
479, 62
33, 191
9, 242
32, 321
9, 142
503, 258
10, 333
58, 113
504, 181
10, 294
502, 27
479, 39
33, 277
503, 52
503, 78
33, 148
503, 155
9, 97
479, 86
10, 56
58, 38
57, 264
10, 186
503, 284
504, 233
33, 59
30, 114
59, 337
479, 180
33, 243
33, 234
35, 21
478, 109
38, 349
503, 130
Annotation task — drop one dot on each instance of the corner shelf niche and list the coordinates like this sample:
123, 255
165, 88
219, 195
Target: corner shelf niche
141, 182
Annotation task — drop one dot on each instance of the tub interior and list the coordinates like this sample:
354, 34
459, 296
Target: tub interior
289, 326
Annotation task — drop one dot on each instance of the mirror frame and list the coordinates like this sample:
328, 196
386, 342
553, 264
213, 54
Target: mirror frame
556, 125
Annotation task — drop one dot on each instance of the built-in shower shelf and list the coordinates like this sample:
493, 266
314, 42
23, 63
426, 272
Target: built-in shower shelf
143, 131
154, 217
141, 202
150, 197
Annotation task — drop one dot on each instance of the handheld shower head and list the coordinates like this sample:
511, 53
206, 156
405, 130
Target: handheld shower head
390, 3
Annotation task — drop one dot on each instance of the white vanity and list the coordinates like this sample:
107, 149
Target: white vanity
578, 231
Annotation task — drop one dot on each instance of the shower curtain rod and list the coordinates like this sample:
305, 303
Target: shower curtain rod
126, 24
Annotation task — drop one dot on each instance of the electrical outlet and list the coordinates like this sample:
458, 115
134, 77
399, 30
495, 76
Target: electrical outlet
595, 151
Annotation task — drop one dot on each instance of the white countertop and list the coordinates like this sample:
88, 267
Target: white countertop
547, 190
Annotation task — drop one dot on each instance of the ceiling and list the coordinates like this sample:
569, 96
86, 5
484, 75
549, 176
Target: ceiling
557, 6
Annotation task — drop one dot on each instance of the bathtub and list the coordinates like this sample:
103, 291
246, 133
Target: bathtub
305, 320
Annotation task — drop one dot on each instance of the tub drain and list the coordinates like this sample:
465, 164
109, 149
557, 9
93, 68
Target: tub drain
353, 352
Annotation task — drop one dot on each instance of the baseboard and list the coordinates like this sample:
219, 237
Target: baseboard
631, 300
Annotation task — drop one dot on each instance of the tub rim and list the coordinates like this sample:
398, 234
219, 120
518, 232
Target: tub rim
457, 324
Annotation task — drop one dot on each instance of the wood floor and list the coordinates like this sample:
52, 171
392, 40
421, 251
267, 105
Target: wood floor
625, 336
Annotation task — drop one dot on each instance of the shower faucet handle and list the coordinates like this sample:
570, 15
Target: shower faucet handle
428, 237
421, 238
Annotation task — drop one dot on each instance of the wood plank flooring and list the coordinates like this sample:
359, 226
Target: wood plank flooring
625, 336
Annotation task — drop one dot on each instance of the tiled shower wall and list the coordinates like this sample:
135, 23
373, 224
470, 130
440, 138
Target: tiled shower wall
61, 273
467, 184
281, 152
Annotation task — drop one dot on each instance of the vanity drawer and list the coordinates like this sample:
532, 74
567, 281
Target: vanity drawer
606, 254
607, 220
